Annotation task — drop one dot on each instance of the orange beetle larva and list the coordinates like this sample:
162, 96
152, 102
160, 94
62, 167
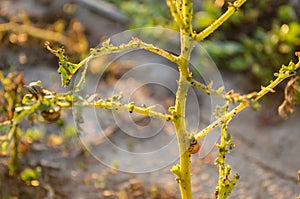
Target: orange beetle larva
52, 114
194, 146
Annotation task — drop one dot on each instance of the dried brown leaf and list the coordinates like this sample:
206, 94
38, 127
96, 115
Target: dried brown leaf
287, 106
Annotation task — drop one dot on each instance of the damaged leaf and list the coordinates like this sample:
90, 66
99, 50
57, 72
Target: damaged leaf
291, 92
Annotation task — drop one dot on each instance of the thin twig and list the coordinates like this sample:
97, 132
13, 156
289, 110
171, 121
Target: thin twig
232, 8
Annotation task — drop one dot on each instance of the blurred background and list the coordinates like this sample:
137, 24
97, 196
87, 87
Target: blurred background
247, 49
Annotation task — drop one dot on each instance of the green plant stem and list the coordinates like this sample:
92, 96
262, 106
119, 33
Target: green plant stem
222, 153
225, 183
68, 100
187, 45
133, 109
175, 13
133, 43
180, 127
221, 160
68, 69
187, 12
233, 7
264, 90
13, 163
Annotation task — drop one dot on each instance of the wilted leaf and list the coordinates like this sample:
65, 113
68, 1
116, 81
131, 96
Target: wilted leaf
66, 69
290, 93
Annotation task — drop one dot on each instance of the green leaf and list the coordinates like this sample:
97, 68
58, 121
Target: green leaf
29, 175
67, 70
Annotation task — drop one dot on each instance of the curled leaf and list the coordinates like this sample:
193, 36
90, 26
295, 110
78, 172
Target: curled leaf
66, 69
290, 93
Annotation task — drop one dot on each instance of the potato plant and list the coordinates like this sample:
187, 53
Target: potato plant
49, 104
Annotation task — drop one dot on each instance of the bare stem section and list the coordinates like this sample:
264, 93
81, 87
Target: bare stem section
284, 73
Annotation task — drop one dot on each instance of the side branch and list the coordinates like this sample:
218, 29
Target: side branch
284, 73
131, 108
232, 8
226, 182
67, 69
230, 96
48, 99
108, 48
206, 88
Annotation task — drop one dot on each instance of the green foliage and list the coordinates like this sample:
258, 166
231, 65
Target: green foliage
66, 68
254, 41
31, 176
250, 33
149, 12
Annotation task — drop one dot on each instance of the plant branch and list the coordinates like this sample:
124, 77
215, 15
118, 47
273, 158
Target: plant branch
183, 141
68, 100
232, 8
183, 175
187, 11
108, 48
230, 96
13, 163
284, 72
207, 88
131, 108
68, 69
175, 13
225, 183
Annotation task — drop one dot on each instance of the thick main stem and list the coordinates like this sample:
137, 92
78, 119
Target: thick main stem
180, 127
179, 118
